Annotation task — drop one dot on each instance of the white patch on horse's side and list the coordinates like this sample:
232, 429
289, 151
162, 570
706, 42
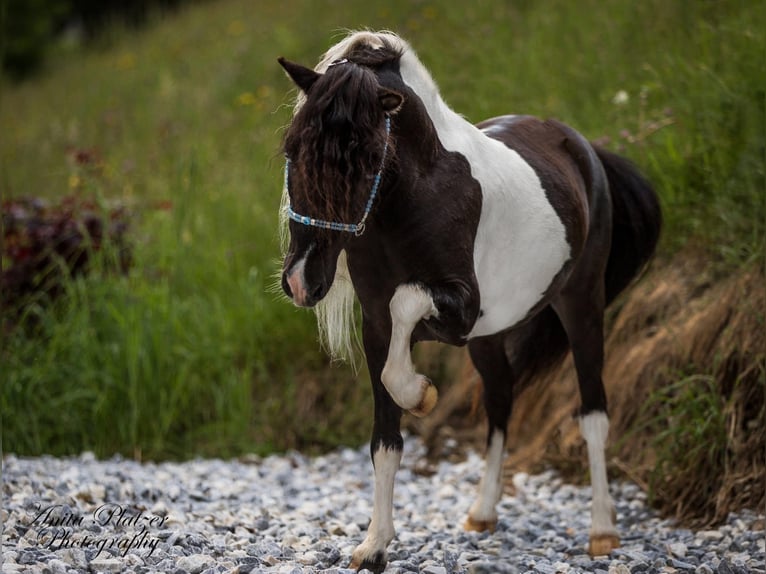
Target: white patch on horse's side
520, 241
409, 305
594, 428
381, 530
491, 485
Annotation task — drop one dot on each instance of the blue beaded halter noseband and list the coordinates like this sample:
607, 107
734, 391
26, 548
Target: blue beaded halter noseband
355, 228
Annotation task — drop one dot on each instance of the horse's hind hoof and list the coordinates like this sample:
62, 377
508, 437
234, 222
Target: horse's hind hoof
428, 402
472, 525
376, 563
603, 544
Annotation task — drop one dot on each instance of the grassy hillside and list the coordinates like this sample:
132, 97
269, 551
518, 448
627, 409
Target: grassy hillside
192, 352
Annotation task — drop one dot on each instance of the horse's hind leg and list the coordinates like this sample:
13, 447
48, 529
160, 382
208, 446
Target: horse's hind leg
581, 310
489, 358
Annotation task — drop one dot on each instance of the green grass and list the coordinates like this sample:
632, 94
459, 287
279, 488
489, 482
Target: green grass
192, 353
709, 445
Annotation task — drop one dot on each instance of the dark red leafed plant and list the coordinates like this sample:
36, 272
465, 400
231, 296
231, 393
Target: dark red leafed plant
44, 243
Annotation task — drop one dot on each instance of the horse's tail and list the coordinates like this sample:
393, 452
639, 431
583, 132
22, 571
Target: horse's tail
636, 222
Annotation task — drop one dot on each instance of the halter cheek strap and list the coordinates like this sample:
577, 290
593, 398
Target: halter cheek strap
355, 228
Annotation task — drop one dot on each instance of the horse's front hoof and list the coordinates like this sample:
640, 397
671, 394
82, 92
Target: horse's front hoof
472, 525
603, 544
375, 563
428, 401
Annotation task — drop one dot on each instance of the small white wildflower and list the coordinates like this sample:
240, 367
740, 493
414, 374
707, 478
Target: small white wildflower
621, 98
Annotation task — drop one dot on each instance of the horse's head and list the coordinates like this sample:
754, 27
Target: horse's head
336, 148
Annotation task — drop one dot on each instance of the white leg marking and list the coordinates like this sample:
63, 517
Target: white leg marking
409, 305
595, 427
491, 485
381, 530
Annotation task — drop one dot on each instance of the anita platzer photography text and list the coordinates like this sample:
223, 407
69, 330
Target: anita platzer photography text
110, 526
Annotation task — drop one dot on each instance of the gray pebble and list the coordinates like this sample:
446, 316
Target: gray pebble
195, 563
106, 565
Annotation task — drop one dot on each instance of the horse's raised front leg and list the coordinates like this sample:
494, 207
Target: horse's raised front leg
386, 451
449, 312
409, 390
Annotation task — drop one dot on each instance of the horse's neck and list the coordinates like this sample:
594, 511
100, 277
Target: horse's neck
453, 131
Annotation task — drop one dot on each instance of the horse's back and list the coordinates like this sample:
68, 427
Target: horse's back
568, 167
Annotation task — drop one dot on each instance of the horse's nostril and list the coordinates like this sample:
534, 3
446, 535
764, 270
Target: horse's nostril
286, 286
318, 292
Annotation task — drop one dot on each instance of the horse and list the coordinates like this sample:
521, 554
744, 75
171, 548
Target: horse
509, 236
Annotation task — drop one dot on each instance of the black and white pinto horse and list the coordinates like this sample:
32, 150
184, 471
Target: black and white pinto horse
510, 236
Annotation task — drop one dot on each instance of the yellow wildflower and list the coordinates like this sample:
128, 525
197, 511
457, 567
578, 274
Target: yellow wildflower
246, 99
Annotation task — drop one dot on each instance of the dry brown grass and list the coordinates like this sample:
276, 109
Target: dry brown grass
685, 376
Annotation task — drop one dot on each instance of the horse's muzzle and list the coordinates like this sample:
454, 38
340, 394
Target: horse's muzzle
294, 286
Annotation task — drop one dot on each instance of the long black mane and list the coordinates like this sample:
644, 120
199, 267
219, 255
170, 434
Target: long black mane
336, 139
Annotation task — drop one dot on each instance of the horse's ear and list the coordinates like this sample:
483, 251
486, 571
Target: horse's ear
390, 100
303, 77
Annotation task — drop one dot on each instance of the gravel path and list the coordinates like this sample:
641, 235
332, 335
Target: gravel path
293, 514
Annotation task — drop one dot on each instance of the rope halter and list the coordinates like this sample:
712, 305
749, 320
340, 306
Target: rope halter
355, 228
